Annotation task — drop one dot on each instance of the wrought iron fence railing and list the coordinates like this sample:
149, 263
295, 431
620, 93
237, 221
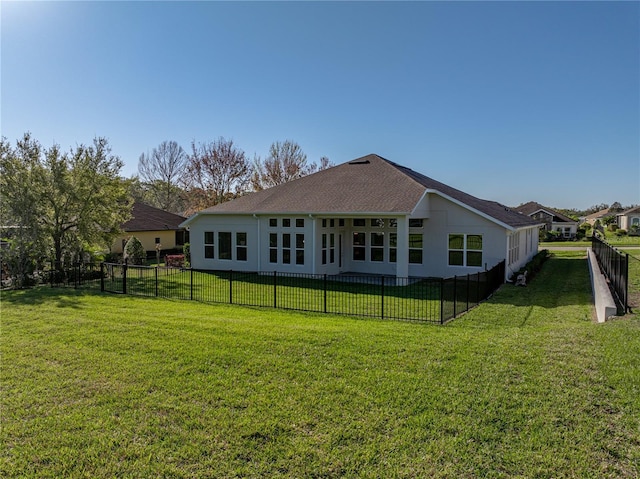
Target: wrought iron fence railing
615, 265
424, 299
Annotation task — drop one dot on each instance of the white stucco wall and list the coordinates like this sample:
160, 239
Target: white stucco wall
444, 218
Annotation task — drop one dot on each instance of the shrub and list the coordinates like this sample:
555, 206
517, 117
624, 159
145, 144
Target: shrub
187, 252
134, 252
534, 266
621, 232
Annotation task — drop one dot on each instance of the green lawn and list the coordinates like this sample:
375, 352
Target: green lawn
526, 385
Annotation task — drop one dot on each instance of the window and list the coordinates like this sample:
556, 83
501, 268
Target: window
286, 248
157, 240
465, 250
324, 222
393, 247
332, 223
377, 247
341, 222
241, 246
299, 248
415, 222
273, 222
514, 247
393, 222
286, 222
359, 243
299, 222
377, 223
332, 248
415, 248
208, 244
359, 222
224, 245
324, 248
273, 247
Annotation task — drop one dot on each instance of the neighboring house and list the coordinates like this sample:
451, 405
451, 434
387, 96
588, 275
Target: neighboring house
152, 226
551, 219
369, 216
629, 220
597, 216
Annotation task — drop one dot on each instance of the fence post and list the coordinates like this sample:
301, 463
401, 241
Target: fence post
468, 280
230, 286
441, 300
382, 297
325, 292
52, 274
191, 284
156, 281
275, 289
102, 276
455, 295
124, 277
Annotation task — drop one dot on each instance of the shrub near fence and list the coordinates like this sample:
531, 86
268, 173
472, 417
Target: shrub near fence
423, 299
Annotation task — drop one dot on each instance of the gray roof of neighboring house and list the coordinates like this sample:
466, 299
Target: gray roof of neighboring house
532, 207
366, 185
148, 218
633, 209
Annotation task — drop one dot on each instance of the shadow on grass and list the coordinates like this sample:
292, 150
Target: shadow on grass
58, 297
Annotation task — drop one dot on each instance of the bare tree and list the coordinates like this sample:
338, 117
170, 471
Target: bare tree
161, 171
216, 172
286, 162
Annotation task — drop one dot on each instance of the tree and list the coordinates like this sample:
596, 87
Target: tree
134, 252
161, 171
216, 172
19, 197
69, 200
286, 162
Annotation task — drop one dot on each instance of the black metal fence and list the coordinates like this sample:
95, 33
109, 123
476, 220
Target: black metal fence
423, 299
615, 265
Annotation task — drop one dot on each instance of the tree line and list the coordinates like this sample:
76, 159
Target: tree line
58, 206
214, 172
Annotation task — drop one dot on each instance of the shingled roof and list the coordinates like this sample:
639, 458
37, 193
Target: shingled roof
532, 207
149, 218
366, 185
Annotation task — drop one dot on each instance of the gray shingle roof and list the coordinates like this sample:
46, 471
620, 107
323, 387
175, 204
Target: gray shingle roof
370, 184
533, 207
149, 218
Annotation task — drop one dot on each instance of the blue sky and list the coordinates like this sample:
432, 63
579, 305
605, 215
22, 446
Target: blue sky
508, 101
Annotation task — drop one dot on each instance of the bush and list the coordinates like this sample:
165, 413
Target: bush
187, 253
534, 266
134, 252
621, 232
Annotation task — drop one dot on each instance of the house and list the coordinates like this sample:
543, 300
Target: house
369, 216
551, 219
597, 216
629, 220
152, 226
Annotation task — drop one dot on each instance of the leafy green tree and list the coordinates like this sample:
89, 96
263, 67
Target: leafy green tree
62, 200
134, 252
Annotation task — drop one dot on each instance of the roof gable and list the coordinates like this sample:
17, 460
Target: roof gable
532, 208
366, 185
148, 218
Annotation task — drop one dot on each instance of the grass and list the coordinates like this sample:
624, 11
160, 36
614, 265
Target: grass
418, 300
526, 385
